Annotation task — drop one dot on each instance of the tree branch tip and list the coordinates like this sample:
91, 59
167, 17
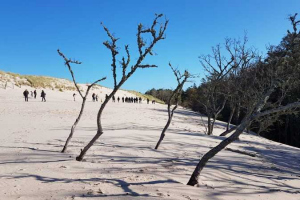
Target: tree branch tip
159, 15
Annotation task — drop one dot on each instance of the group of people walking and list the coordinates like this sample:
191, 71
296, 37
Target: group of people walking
127, 99
33, 94
131, 100
124, 99
94, 97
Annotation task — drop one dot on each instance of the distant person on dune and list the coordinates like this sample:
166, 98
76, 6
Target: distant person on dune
34, 94
118, 99
147, 101
74, 96
43, 95
123, 99
26, 93
93, 96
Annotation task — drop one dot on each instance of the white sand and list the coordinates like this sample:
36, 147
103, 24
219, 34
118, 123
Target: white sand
123, 163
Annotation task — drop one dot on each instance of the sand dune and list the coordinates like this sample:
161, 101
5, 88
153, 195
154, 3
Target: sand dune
123, 164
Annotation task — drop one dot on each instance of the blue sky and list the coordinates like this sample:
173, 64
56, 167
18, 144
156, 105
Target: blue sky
31, 32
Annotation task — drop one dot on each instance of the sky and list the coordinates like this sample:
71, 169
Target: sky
32, 31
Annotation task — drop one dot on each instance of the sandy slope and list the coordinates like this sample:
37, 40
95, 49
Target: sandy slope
123, 164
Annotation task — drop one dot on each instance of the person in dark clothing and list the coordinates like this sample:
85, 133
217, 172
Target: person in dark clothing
140, 99
118, 99
26, 93
114, 99
147, 101
34, 94
123, 99
93, 96
43, 95
74, 96
97, 97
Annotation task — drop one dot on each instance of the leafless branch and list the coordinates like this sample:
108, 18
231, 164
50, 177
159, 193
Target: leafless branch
67, 62
146, 66
113, 48
97, 81
125, 63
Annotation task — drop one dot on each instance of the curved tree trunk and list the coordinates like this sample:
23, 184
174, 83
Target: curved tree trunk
163, 133
74, 126
98, 134
99, 125
210, 154
167, 125
175, 94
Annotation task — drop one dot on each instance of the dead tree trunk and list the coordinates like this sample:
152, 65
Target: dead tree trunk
175, 95
99, 125
170, 114
144, 50
210, 154
67, 62
74, 126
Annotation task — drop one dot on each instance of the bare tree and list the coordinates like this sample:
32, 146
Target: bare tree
221, 86
144, 50
181, 79
218, 67
244, 124
84, 97
243, 59
276, 73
